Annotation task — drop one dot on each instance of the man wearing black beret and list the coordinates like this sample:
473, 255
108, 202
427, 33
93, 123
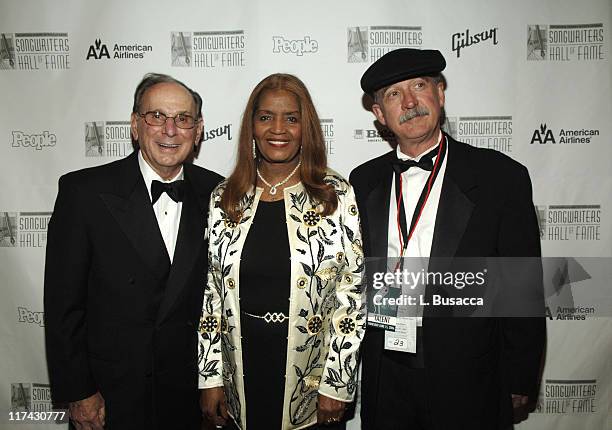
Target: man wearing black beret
436, 197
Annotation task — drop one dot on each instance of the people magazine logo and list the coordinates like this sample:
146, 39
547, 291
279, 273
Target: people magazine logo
567, 42
544, 135
118, 51
298, 47
34, 51
108, 139
492, 132
368, 44
565, 397
24, 229
327, 126
33, 140
466, 39
208, 49
569, 223
30, 317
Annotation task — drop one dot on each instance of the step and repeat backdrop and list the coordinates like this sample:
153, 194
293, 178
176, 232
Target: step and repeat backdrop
529, 79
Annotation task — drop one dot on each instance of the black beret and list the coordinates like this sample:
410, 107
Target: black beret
399, 65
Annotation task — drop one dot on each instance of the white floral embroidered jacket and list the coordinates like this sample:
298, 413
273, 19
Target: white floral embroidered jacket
326, 314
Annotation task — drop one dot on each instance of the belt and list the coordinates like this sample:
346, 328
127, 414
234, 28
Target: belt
270, 317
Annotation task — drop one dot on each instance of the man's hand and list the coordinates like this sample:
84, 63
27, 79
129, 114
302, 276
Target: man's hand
213, 405
89, 413
518, 400
330, 410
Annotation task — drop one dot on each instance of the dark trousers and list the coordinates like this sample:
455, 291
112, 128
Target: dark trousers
402, 397
403, 403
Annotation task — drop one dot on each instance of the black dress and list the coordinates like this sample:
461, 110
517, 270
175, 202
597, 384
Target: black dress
265, 275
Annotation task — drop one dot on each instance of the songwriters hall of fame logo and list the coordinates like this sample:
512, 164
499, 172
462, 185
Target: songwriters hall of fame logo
30, 397
493, 132
567, 397
368, 44
567, 42
208, 49
327, 126
34, 51
569, 222
108, 139
24, 229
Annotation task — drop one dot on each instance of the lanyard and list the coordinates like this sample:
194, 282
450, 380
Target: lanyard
403, 233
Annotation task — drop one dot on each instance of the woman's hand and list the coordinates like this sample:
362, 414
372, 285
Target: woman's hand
329, 410
213, 405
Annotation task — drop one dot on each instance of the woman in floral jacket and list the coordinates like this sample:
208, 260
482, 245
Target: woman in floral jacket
282, 319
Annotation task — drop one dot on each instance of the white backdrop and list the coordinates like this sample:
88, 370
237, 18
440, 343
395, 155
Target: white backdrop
536, 86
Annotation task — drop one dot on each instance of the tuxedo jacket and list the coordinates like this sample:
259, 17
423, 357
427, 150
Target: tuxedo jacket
120, 319
472, 364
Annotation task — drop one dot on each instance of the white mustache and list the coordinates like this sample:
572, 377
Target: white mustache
413, 113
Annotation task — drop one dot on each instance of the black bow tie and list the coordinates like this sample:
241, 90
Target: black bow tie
173, 189
425, 163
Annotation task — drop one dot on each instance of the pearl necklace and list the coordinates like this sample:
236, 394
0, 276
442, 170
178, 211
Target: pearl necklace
275, 186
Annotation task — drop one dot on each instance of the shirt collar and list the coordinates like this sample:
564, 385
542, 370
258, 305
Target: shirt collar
402, 156
149, 175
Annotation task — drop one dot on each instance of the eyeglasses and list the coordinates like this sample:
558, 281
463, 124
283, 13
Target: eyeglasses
157, 119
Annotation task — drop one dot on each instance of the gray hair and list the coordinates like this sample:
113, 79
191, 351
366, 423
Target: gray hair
151, 79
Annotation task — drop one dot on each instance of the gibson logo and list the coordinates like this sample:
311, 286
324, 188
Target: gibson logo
465, 39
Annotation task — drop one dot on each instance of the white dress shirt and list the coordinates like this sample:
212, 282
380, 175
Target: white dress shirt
167, 211
413, 182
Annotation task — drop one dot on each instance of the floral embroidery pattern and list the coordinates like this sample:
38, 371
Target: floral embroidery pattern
324, 273
209, 324
347, 326
315, 324
311, 218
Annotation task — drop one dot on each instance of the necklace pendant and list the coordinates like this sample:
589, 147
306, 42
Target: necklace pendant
273, 190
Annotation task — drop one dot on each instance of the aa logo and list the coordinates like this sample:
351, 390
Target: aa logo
542, 135
97, 51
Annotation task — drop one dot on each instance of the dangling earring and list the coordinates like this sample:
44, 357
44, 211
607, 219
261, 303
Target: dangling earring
254, 150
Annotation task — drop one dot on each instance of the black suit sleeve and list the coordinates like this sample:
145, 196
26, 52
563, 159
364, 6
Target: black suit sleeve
67, 267
523, 337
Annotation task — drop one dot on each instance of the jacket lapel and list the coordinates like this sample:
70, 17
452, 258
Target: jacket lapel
189, 244
130, 205
377, 207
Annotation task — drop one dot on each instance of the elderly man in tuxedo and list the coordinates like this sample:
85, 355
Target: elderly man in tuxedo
125, 270
435, 197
